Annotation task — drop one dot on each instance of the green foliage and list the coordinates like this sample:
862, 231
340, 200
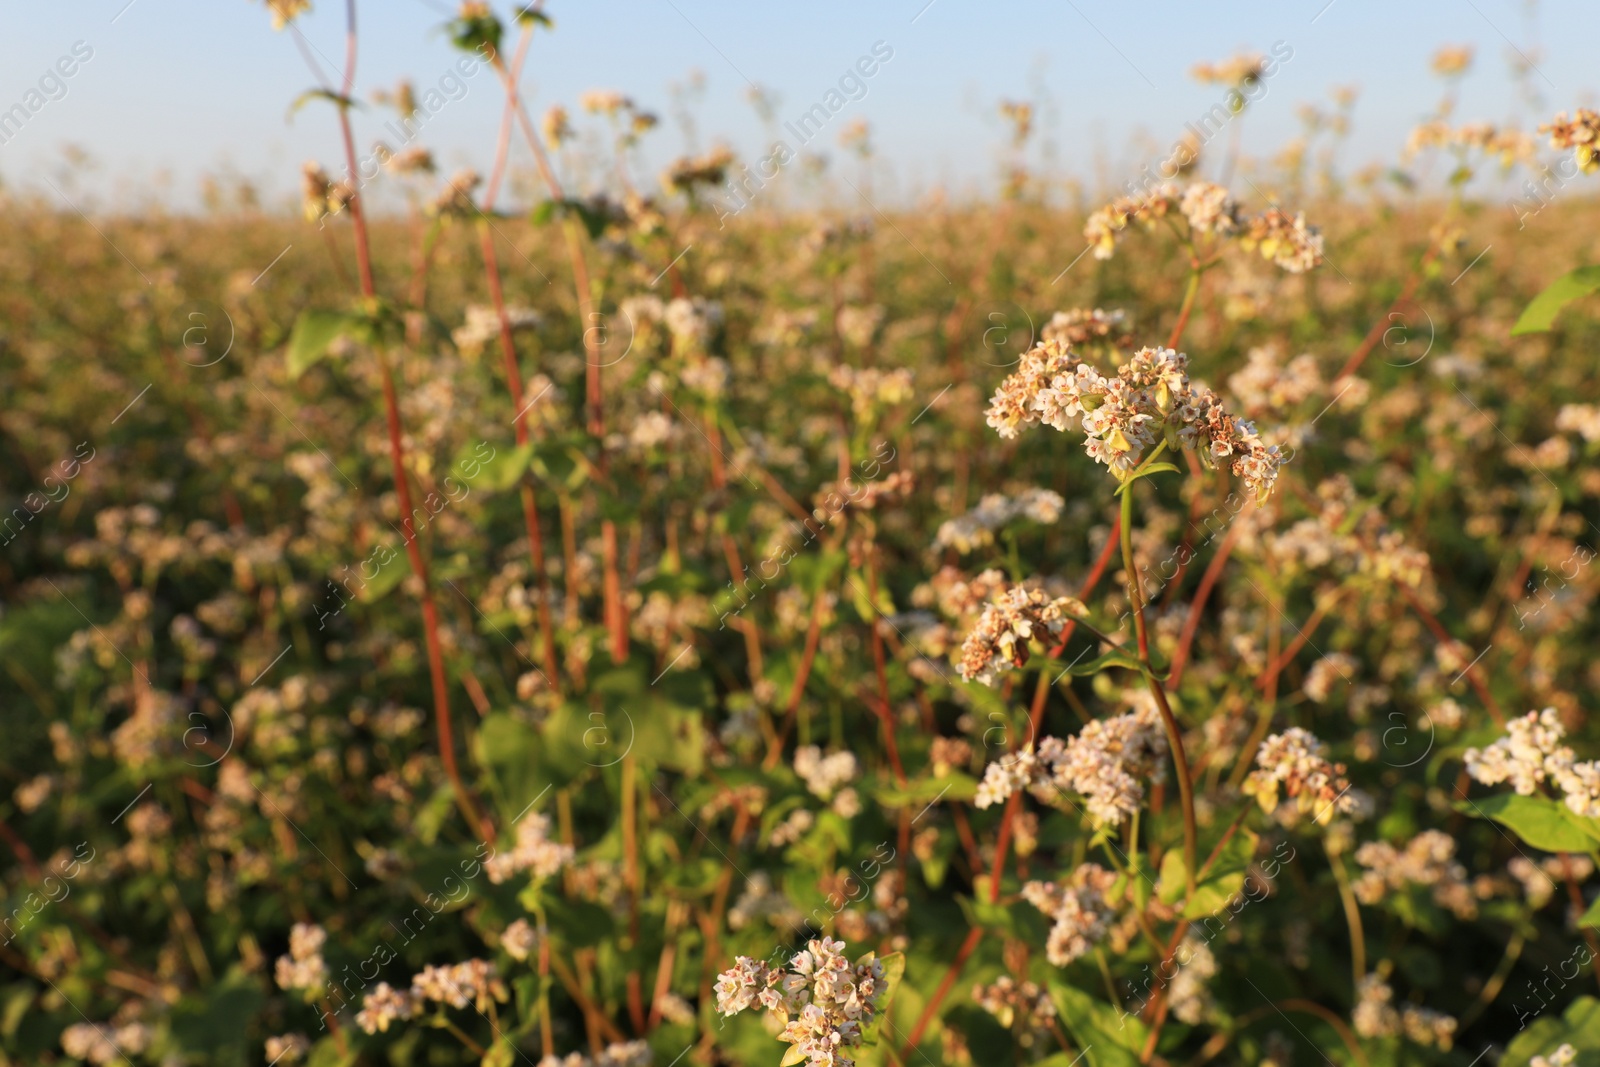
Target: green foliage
1540, 314
1540, 821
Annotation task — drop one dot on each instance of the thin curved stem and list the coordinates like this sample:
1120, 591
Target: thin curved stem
1352, 917
1180, 759
1189, 294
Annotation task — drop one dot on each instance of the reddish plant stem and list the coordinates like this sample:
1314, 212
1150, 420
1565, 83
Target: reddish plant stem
1276, 667
807, 658
1191, 624
508, 348
430, 617
1473, 674
1384, 324
615, 611
1190, 292
943, 991
419, 566
885, 711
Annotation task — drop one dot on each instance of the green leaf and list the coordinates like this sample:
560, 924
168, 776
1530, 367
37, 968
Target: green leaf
1541, 314
1578, 1026
857, 585
1221, 883
544, 212
1108, 1038
472, 33
391, 570
594, 220
314, 332
1115, 658
501, 1054
505, 468
205, 1024
329, 1053
1591, 918
1540, 821
894, 969
924, 791
343, 103
524, 763
1144, 472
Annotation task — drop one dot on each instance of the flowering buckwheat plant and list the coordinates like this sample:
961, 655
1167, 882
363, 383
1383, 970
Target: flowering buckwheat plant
822, 1001
591, 593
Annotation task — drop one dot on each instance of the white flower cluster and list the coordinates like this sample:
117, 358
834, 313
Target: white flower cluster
1539, 879
287, 1048
1332, 668
1294, 760
1285, 240
1264, 387
1079, 909
960, 597
520, 939
791, 829
1106, 763
1427, 860
1530, 754
820, 998
1581, 419
1008, 623
383, 1006
824, 775
469, 982
692, 320
303, 967
870, 389
995, 510
534, 852
617, 1054
1208, 209
1151, 399
1025, 1006
1561, 1057
458, 985
760, 900
482, 325
1188, 994
1376, 1016
101, 1043
1081, 326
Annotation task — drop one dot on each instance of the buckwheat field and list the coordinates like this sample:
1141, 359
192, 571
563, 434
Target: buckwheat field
598, 616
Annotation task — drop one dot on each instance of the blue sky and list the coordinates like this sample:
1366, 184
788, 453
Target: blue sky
178, 88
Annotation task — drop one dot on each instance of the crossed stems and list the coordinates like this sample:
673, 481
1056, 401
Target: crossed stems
419, 564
